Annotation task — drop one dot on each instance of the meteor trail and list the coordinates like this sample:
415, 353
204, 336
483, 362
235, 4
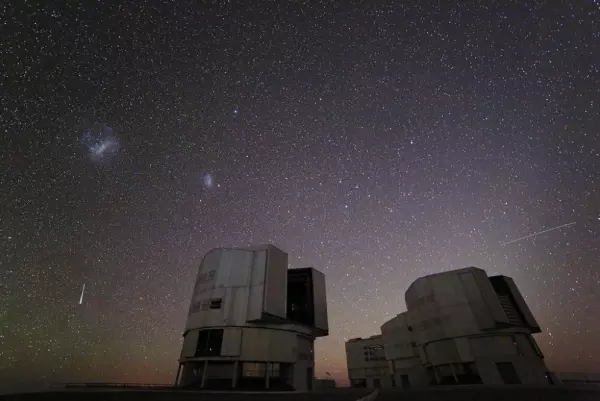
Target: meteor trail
538, 233
81, 297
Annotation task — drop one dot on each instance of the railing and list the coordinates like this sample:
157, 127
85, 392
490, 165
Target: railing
111, 385
581, 381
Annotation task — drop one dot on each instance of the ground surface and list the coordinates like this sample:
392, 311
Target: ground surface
506, 393
516, 393
165, 395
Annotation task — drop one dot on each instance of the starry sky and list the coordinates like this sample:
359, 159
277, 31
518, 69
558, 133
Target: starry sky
375, 141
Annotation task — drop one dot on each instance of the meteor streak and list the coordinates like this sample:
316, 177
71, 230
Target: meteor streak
538, 233
81, 297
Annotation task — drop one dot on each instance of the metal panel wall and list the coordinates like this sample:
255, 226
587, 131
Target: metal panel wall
215, 317
477, 304
232, 341
397, 338
522, 305
355, 353
235, 268
220, 271
492, 346
464, 349
442, 352
489, 296
239, 297
257, 286
189, 344
320, 301
447, 289
206, 276
275, 295
255, 344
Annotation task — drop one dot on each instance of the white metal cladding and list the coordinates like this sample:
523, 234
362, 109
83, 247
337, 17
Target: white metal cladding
189, 344
360, 367
494, 310
457, 317
234, 268
213, 301
453, 304
259, 344
275, 294
521, 304
320, 300
232, 341
397, 338
239, 291
236, 286
257, 286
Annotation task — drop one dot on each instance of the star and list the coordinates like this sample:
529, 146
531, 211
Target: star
428, 153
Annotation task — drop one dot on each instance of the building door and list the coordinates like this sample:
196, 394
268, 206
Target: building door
309, 379
405, 381
376, 383
508, 373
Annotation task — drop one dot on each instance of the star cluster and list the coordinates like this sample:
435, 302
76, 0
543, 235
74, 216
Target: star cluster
377, 142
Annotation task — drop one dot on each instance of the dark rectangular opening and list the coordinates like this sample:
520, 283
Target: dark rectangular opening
191, 375
358, 383
467, 373
508, 373
431, 376
300, 298
215, 303
219, 375
252, 375
507, 301
405, 381
446, 374
209, 342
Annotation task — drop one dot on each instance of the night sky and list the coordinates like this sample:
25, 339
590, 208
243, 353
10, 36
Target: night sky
377, 142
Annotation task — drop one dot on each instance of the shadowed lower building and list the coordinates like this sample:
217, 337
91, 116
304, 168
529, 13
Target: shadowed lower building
402, 353
367, 367
463, 327
252, 322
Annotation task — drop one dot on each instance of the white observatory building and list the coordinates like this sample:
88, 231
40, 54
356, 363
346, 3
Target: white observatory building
252, 322
460, 327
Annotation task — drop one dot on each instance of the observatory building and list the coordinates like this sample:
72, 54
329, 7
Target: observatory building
367, 365
252, 322
460, 327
